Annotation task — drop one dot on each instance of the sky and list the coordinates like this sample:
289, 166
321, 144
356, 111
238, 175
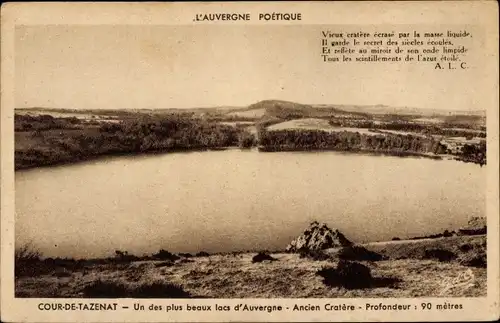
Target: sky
159, 67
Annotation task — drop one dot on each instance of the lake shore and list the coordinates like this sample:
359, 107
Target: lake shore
76, 159
406, 270
72, 160
79, 159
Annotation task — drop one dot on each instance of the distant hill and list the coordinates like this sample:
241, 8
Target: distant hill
385, 109
290, 110
282, 110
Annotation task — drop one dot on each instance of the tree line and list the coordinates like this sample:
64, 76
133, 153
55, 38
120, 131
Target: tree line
345, 141
144, 134
78, 140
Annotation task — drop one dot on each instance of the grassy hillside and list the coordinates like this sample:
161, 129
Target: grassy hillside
292, 110
281, 108
402, 273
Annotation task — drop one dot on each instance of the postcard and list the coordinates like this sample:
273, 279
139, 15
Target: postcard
247, 161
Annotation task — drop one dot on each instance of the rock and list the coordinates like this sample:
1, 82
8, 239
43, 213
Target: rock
318, 237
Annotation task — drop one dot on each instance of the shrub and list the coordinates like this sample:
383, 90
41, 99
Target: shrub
472, 259
448, 234
123, 256
440, 254
350, 275
165, 255
27, 253
102, 289
359, 253
262, 256
27, 262
202, 254
465, 247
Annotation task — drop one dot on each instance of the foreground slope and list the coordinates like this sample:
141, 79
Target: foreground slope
406, 271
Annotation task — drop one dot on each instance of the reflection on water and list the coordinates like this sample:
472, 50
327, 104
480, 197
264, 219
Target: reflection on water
238, 200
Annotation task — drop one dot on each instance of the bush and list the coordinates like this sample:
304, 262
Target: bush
262, 256
465, 247
109, 289
27, 262
123, 256
471, 259
448, 234
359, 253
102, 289
165, 255
202, 254
440, 254
350, 275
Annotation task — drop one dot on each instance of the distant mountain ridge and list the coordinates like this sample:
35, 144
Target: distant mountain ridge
276, 107
286, 110
290, 110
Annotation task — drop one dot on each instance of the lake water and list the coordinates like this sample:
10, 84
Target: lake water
238, 200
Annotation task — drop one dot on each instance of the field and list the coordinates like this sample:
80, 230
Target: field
407, 272
254, 113
316, 124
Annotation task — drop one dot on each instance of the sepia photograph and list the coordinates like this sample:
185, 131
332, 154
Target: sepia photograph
246, 155
220, 172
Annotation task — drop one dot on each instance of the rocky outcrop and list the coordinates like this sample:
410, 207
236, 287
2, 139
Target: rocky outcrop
318, 237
